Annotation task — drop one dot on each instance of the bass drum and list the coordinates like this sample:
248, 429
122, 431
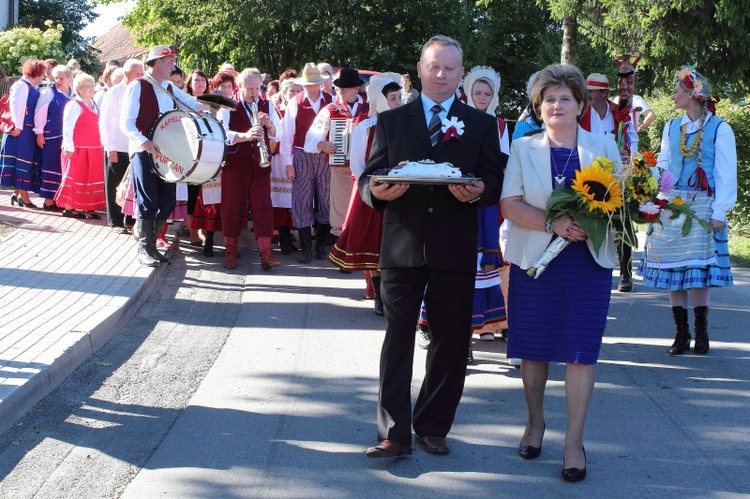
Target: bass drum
191, 146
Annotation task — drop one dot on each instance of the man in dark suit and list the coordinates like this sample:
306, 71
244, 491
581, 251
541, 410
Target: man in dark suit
429, 248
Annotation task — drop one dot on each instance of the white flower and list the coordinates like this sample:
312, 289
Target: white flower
648, 208
453, 122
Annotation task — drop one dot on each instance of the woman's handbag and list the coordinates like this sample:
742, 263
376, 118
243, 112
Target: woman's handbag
6, 123
122, 188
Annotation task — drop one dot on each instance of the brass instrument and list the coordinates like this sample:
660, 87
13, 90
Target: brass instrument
265, 157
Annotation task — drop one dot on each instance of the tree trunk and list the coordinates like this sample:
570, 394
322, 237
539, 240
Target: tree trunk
570, 41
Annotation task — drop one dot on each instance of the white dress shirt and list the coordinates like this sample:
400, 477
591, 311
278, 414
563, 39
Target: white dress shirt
725, 163
131, 106
427, 104
289, 125
113, 138
318, 131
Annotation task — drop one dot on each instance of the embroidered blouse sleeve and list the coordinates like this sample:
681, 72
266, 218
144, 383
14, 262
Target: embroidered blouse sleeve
665, 154
358, 150
40, 114
70, 118
725, 172
18, 95
318, 131
288, 124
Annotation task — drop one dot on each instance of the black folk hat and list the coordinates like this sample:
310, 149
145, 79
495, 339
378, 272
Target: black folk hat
348, 78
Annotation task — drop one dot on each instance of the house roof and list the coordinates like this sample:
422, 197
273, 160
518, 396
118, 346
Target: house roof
118, 44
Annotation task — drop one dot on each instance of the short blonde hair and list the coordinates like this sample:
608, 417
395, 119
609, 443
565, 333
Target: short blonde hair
82, 80
556, 75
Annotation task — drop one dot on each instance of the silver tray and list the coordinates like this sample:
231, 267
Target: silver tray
386, 179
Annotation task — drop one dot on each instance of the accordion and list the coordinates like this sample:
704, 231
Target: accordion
338, 133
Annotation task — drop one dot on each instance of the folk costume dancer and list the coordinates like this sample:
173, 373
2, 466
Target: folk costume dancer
20, 155
358, 247
348, 106
244, 180
115, 144
308, 171
48, 127
700, 150
142, 105
429, 248
616, 121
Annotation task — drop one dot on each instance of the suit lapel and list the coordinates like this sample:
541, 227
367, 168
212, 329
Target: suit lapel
587, 151
539, 159
416, 120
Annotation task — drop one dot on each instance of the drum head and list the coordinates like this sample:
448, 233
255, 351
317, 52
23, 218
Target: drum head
176, 136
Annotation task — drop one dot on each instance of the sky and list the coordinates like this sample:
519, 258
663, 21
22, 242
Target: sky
107, 19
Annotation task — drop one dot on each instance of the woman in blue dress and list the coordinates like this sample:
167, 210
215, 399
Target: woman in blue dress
561, 315
699, 149
48, 126
19, 154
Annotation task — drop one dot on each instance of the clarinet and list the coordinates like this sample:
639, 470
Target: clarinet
265, 159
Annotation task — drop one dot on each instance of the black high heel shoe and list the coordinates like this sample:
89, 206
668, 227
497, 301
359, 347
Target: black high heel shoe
575, 474
22, 204
51, 207
529, 451
13, 199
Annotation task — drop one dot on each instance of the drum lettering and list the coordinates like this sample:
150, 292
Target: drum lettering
169, 121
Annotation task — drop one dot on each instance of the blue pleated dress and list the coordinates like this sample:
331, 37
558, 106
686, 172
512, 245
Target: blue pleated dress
561, 315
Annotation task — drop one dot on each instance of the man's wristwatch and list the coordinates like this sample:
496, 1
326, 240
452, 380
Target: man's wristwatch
475, 200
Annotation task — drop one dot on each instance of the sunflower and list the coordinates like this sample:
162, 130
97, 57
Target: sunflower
598, 189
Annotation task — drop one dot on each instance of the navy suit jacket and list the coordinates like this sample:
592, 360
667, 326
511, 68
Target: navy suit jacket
428, 225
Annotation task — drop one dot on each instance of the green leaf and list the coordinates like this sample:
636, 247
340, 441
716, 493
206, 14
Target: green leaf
687, 226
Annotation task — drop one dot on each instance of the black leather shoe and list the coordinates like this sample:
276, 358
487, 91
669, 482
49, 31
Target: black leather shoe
575, 474
433, 445
626, 285
389, 448
529, 451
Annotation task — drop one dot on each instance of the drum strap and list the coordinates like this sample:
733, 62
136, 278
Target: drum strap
178, 102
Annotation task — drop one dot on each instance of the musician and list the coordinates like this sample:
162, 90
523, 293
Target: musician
116, 143
348, 107
327, 71
142, 105
308, 171
244, 182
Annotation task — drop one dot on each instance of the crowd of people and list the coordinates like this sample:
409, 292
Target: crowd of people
300, 155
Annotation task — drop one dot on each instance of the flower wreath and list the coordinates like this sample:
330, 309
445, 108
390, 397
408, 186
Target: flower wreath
694, 82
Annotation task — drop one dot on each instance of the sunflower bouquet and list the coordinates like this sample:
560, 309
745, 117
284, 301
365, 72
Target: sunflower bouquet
594, 201
646, 199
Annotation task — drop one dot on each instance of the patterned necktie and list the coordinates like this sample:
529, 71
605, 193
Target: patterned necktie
434, 129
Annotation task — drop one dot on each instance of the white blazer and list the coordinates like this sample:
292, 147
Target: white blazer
528, 174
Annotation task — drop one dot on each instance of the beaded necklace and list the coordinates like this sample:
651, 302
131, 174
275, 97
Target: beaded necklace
684, 149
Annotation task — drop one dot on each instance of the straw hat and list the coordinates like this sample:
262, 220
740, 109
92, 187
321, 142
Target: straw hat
158, 52
310, 75
597, 81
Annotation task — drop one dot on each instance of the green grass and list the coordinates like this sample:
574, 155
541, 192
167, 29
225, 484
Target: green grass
739, 250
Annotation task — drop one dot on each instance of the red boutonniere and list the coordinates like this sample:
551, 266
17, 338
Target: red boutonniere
452, 129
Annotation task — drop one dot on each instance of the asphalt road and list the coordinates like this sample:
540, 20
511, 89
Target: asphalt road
253, 384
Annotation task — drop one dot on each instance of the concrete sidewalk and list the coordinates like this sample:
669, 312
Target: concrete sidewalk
65, 285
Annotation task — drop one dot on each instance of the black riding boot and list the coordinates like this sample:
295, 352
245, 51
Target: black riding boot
208, 244
321, 237
305, 241
682, 338
701, 330
285, 241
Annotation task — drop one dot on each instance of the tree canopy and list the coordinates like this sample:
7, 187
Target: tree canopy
73, 15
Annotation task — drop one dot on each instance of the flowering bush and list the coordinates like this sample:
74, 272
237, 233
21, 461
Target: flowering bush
19, 44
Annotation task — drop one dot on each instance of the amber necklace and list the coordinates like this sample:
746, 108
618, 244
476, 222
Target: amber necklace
686, 150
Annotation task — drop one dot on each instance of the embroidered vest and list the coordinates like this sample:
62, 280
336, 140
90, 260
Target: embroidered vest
305, 117
53, 127
683, 168
148, 110
244, 154
31, 100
